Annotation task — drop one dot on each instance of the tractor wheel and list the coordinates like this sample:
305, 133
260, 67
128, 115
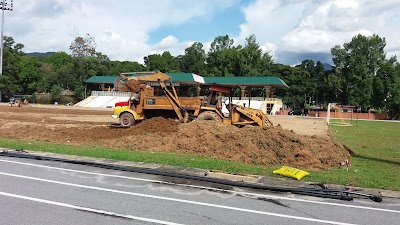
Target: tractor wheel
207, 115
126, 119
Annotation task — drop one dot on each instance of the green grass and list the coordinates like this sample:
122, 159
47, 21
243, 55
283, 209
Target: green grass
192, 161
376, 159
376, 162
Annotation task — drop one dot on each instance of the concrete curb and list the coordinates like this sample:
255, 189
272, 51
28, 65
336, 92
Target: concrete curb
264, 180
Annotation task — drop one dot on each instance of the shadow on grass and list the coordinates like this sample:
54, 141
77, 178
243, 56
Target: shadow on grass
376, 159
355, 155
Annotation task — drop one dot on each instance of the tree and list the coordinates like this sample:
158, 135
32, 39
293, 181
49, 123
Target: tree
86, 63
83, 46
358, 63
296, 79
58, 69
59, 59
47, 79
117, 67
333, 88
10, 82
29, 74
56, 92
387, 88
315, 83
393, 100
164, 62
78, 92
222, 58
266, 64
251, 57
193, 61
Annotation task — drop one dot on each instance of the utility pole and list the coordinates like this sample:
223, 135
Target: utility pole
5, 5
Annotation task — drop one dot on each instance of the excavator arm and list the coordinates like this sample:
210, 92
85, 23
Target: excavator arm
176, 105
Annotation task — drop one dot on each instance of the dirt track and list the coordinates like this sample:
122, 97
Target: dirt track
79, 126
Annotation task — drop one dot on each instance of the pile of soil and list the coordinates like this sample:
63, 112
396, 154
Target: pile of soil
252, 145
157, 125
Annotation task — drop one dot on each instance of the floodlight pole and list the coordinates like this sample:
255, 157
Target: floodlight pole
1, 43
4, 6
2, 33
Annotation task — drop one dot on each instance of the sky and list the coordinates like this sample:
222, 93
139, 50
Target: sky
128, 30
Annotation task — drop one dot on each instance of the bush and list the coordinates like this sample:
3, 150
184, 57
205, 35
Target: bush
32, 98
78, 92
56, 92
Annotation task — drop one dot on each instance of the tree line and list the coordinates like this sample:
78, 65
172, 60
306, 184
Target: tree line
362, 74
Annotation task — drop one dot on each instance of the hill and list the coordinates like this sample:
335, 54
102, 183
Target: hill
40, 54
327, 66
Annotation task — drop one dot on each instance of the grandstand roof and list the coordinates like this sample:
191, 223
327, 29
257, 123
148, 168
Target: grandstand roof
191, 78
248, 81
101, 79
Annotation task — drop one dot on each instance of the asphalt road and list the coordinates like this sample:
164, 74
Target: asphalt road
44, 192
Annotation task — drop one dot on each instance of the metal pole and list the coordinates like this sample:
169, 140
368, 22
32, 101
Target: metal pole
2, 32
1, 42
4, 6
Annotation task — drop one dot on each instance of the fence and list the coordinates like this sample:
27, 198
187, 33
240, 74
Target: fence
111, 93
255, 98
127, 94
350, 115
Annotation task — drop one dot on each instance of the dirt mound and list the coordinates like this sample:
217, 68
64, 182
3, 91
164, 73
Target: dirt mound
259, 146
156, 125
207, 138
249, 144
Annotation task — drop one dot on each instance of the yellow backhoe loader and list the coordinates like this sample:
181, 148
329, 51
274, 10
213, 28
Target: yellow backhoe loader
144, 104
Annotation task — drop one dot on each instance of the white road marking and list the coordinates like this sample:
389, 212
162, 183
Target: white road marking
99, 211
176, 200
207, 188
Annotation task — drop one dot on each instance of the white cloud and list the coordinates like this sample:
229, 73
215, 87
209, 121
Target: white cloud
316, 26
120, 28
167, 42
269, 20
171, 44
109, 35
270, 48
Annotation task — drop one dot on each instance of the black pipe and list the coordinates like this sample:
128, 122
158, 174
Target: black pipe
324, 193
374, 198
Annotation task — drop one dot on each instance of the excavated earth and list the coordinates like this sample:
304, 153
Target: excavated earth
254, 145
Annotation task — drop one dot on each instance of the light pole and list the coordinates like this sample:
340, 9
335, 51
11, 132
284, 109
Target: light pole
5, 5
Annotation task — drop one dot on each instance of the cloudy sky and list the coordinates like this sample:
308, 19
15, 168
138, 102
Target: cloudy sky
292, 30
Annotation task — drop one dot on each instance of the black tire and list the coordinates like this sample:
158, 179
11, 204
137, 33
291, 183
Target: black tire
126, 119
207, 115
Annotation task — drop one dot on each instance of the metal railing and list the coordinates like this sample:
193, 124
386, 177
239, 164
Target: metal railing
111, 93
255, 98
127, 94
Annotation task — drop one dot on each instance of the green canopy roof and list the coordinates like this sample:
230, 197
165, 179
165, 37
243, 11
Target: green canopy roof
186, 77
191, 78
101, 79
249, 81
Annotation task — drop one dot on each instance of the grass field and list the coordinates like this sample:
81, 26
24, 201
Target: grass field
376, 159
376, 162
